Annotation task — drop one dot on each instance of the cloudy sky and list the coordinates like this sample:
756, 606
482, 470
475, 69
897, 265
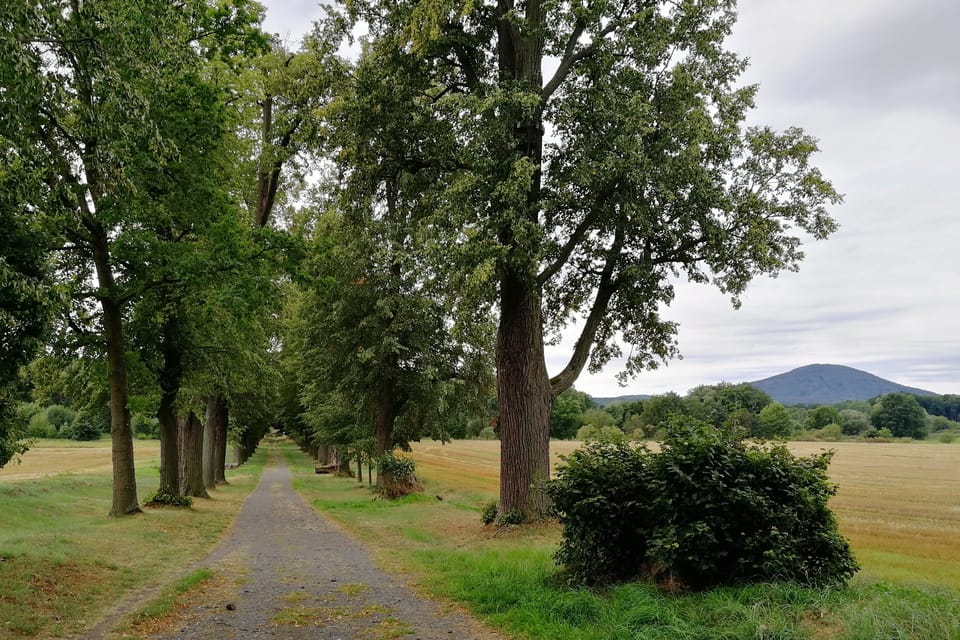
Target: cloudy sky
878, 82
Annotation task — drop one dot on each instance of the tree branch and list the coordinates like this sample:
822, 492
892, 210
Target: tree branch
571, 58
607, 286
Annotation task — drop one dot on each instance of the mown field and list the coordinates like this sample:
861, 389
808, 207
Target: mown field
898, 503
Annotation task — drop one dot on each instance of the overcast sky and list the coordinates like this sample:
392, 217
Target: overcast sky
878, 82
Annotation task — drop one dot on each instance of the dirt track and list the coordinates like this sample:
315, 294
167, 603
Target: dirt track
285, 571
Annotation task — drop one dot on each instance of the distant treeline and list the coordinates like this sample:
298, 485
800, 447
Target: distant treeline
947, 406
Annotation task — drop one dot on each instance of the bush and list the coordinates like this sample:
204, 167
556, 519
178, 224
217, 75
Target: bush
708, 509
398, 476
489, 512
145, 426
831, 433
80, 429
60, 416
487, 433
40, 427
169, 500
946, 438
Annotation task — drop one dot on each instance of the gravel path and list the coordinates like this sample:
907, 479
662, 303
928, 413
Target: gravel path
285, 571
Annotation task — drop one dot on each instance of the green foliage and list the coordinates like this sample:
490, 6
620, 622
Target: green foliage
60, 416
706, 510
487, 433
831, 433
853, 422
773, 422
822, 416
901, 414
488, 514
81, 429
400, 467
566, 413
946, 438
161, 499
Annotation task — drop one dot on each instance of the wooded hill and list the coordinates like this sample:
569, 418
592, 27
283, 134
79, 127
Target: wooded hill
818, 384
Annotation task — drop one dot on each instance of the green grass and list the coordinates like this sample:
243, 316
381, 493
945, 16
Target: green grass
165, 602
63, 562
509, 580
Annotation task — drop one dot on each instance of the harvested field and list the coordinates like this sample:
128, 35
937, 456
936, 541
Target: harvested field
54, 457
898, 503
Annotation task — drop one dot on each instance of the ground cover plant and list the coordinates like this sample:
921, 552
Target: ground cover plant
60, 560
509, 579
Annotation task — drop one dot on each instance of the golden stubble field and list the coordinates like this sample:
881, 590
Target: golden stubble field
53, 457
898, 503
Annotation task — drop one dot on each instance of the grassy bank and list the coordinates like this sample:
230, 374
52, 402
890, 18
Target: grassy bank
509, 578
63, 562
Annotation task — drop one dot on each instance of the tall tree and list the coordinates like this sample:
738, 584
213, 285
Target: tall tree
648, 176
101, 81
25, 294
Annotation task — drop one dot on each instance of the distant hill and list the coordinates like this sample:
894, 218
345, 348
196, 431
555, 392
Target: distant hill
829, 384
603, 402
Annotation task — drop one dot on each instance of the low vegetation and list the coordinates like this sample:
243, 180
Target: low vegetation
510, 579
705, 510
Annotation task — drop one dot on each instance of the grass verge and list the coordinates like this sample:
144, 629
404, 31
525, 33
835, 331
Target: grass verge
63, 562
508, 579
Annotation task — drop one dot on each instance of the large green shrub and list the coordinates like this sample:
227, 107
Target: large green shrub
708, 509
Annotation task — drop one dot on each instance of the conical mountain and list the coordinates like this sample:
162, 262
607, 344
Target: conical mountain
829, 384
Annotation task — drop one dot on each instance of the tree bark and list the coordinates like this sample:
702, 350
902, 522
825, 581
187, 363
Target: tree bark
386, 414
124, 499
524, 392
215, 442
523, 386
191, 457
221, 433
170, 379
208, 461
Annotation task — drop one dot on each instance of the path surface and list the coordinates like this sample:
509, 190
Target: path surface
285, 571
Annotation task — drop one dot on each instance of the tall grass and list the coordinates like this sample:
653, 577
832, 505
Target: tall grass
509, 579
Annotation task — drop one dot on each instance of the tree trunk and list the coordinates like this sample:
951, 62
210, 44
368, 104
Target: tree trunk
343, 462
220, 441
524, 392
191, 457
523, 386
170, 380
125, 499
359, 466
215, 442
386, 414
169, 445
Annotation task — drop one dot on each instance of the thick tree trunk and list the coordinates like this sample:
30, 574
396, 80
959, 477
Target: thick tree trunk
343, 462
191, 457
169, 446
386, 414
125, 499
523, 386
170, 379
215, 442
221, 433
524, 392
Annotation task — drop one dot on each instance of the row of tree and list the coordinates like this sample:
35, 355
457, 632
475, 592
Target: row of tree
149, 146
753, 412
